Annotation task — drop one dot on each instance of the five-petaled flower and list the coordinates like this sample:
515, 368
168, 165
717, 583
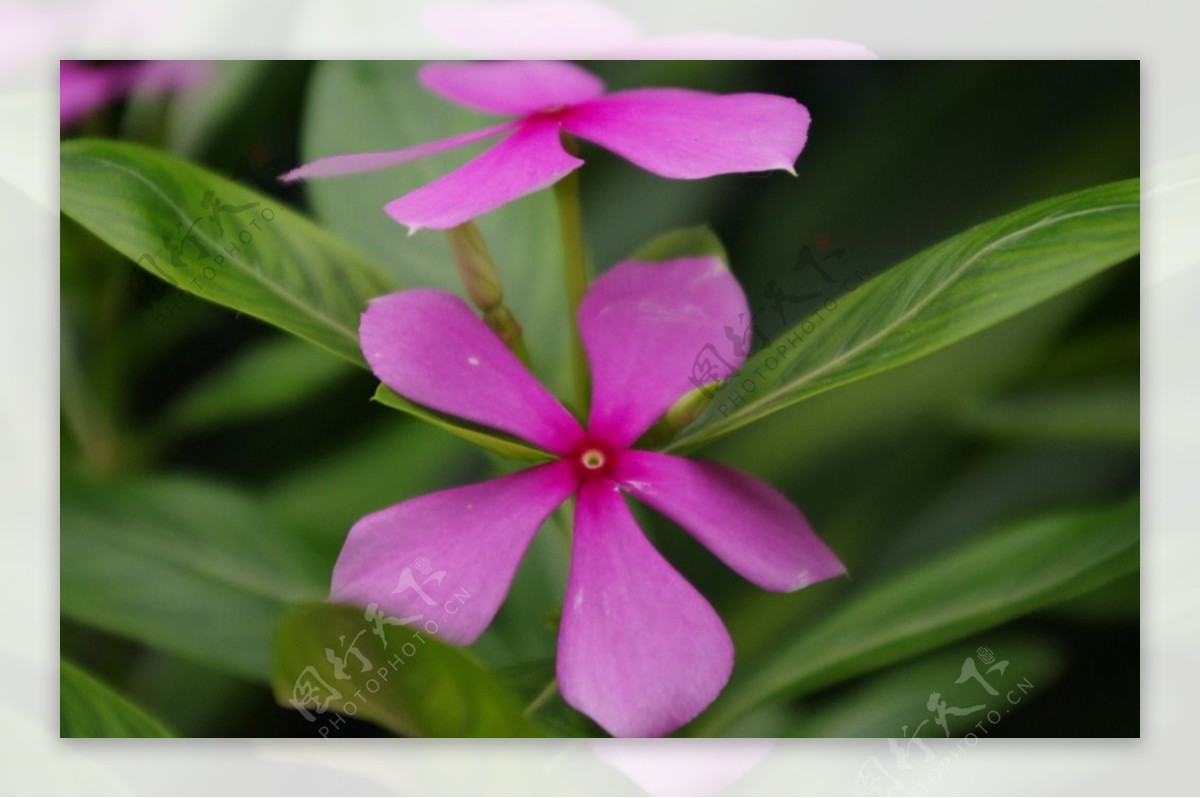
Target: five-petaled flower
639, 649
675, 133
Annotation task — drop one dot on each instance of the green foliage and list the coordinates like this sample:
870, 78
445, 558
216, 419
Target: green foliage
958, 428
1017, 569
406, 681
183, 564
264, 259
951, 290
89, 708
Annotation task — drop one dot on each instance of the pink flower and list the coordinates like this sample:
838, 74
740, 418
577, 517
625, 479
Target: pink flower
676, 133
84, 88
639, 649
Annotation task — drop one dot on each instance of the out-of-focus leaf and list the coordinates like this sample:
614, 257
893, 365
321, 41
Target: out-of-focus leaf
895, 703
265, 379
952, 290
259, 257
89, 708
391, 109
489, 439
328, 658
1103, 411
196, 116
690, 242
185, 565
1119, 602
1017, 569
993, 488
395, 462
535, 683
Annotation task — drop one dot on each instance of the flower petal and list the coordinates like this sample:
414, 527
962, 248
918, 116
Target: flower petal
528, 160
428, 346
354, 163
511, 87
686, 134
83, 89
449, 557
646, 327
639, 651
742, 520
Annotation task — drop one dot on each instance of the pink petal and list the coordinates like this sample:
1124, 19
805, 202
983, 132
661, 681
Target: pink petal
443, 562
686, 134
370, 161
428, 346
742, 520
82, 89
511, 87
528, 160
639, 650
645, 327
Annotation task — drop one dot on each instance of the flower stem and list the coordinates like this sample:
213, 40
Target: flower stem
570, 221
537, 703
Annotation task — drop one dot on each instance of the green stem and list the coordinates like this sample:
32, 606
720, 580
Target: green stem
570, 221
537, 703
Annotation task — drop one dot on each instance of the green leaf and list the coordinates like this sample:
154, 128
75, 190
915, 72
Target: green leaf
1015, 570
185, 565
954, 289
89, 708
481, 436
406, 681
267, 378
894, 703
391, 109
264, 259
389, 464
1103, 411
689, 242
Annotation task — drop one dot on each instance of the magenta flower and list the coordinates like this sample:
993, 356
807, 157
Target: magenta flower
639, 649
675, 133
84, 88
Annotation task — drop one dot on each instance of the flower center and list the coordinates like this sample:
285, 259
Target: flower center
592, 459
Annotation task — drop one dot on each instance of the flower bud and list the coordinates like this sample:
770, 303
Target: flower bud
475, 267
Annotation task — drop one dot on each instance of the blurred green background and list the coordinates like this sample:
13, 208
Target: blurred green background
211, 465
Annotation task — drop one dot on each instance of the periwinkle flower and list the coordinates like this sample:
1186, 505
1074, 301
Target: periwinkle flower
639, 649
674, 133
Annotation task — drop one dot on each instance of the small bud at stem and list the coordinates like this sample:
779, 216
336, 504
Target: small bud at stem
686, 410
504, 324
475, 267
482, 284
